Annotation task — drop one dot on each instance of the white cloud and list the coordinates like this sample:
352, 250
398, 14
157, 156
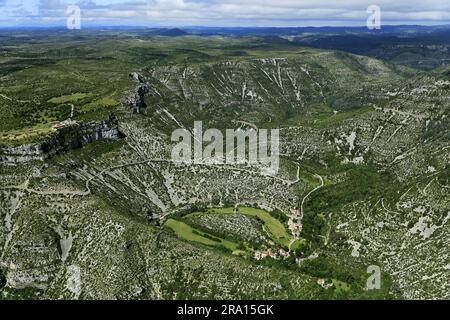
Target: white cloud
227, 12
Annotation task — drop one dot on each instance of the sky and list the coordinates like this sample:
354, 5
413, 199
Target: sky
223, 13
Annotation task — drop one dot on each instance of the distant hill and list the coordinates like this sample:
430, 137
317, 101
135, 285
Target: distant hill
173, 33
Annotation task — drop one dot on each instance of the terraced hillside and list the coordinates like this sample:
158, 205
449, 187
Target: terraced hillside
94, 207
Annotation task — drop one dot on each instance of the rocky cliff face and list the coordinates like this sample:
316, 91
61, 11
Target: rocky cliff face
135, 99
65, 138
106, 129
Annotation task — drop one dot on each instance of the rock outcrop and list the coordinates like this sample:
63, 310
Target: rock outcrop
66, 138
135, 99
106, 129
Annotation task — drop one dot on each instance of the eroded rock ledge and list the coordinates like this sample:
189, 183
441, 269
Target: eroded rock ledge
70, 136
135, 99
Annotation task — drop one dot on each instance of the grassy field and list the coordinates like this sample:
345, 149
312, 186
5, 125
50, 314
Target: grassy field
70, 98
26, 135
186, 232
341, 287
272, 226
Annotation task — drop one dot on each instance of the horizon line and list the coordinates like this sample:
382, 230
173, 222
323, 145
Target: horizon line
92, 26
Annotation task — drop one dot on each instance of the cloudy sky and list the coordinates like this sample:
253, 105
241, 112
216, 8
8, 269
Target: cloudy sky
223, 12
